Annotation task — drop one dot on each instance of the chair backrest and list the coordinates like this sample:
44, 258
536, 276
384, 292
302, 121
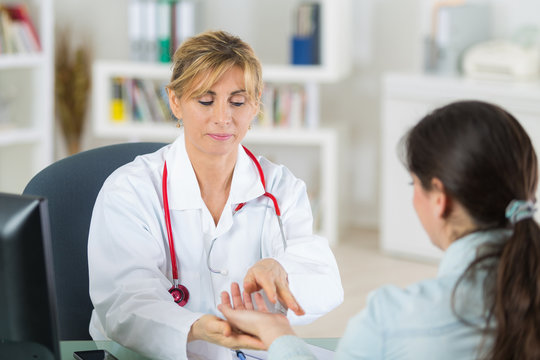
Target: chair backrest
71, 186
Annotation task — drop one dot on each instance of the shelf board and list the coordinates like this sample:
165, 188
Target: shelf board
271, 73
300, 136
169, 132
15, 136
153, 70
138, 131
297, 73
13, 61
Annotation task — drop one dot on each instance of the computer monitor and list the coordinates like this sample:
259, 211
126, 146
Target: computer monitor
28, 317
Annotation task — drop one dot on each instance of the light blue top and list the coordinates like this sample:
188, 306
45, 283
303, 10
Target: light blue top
416, 322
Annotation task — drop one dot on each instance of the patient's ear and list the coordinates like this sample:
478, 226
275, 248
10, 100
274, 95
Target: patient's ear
440, 201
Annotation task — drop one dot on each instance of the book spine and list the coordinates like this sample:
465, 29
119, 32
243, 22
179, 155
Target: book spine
150, 30
135, 29
306, 39
7, 29
283, 106
118, 113
164, 30
185, 21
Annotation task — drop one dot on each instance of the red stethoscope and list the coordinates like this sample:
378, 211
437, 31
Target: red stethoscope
178, 291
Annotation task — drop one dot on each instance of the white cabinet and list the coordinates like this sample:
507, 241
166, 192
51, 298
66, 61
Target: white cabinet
406, 99
26, 104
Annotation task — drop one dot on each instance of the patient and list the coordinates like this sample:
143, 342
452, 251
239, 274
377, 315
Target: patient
474, 174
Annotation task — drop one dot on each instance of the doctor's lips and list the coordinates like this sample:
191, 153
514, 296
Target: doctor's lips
220, 137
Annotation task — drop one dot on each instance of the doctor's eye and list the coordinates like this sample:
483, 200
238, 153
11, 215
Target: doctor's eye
206, 99
238, 100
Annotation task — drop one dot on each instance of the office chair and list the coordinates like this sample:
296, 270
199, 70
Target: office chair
71, 186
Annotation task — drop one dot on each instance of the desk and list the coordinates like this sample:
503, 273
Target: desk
68, 347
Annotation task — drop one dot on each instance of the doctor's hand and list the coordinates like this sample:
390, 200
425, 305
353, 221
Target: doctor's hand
260, 323
270, 276
215, 330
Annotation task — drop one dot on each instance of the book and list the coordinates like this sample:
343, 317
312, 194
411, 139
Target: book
149, 27
283, 105
19, 14
306, 38
7, 32
117, 107
164, 10
184, 21
135, 29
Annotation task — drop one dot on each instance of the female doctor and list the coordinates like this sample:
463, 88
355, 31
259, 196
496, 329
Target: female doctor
173, 229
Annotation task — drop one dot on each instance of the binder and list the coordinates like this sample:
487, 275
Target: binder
164, 30
150, 30
135, 30
118, 110
185, 21
306, 40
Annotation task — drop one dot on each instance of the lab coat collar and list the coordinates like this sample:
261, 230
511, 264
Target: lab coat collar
183, 188
246, 183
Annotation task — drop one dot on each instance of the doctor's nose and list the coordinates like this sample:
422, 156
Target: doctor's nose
222, 114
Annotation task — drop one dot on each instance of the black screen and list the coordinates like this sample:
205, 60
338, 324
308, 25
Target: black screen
28, 318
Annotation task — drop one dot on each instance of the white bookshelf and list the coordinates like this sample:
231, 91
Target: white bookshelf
406, 99
322, 143
26, 96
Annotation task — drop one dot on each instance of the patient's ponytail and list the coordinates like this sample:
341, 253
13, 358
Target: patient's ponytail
516, 306
486, 161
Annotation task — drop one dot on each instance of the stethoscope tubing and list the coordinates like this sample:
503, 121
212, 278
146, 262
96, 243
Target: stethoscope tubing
169, 227
176, 279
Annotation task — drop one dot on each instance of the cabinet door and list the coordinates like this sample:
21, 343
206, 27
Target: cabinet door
401, 231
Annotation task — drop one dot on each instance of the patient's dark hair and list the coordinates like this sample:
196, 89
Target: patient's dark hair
485, 159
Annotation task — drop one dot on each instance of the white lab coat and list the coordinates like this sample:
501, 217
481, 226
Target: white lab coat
129, 262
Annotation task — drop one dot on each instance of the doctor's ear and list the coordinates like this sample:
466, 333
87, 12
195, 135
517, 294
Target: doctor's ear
174, 103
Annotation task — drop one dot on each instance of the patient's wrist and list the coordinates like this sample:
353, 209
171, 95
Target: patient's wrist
278, 328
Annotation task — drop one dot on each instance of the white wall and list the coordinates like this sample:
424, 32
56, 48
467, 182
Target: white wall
387, 36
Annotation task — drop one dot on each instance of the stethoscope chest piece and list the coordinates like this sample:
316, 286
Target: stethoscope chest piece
180, 294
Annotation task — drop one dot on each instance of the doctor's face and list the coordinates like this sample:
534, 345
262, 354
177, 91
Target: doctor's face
216, 121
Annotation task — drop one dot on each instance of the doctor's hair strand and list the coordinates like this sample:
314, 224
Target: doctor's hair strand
202, 59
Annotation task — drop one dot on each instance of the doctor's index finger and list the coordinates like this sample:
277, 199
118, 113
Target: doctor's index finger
287, 298
266, 284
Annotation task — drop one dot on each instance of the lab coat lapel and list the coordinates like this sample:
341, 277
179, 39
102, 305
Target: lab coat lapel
185, 194
245, 186
182, 185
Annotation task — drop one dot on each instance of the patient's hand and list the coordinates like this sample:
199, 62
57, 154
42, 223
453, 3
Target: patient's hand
215, 330
260, 323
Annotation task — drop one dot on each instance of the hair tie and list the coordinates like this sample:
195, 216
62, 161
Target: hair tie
519, 210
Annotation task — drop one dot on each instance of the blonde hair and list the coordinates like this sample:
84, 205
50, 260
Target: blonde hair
201, 60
